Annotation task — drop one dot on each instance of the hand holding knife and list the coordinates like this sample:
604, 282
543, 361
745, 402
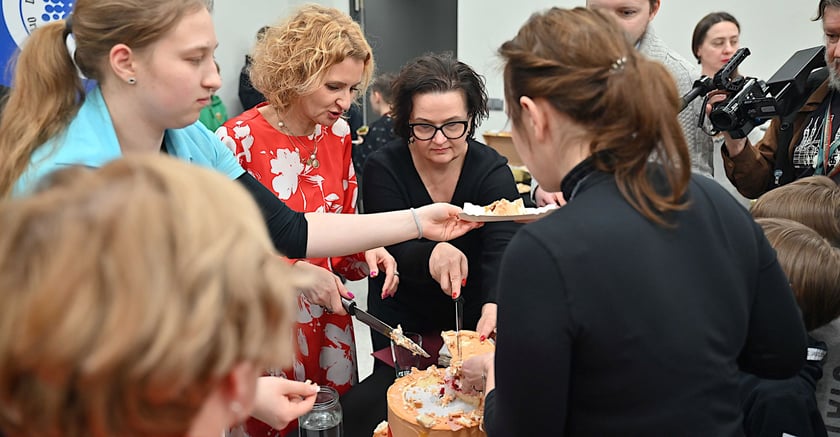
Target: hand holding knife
383, 328
459, 321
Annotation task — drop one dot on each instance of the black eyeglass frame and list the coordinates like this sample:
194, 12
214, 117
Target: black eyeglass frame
464, 123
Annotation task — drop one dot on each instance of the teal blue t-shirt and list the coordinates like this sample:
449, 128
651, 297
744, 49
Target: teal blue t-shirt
91, 140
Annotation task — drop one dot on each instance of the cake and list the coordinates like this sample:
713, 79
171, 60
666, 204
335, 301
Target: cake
431, 403
426, 403
505, 207
471, 345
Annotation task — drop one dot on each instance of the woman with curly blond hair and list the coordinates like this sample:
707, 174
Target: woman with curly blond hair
140, 299
311, 67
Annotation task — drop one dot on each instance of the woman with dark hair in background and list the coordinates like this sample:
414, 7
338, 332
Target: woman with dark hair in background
438, 103
715, 39
650, 288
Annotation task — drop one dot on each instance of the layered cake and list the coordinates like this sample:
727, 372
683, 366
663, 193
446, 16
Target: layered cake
431, 402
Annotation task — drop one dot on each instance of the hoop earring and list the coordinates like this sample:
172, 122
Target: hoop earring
131, 81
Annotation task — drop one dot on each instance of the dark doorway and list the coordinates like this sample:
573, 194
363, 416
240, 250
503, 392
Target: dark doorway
400, 30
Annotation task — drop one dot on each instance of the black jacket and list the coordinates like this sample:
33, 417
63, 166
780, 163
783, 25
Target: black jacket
248, 96
776, 406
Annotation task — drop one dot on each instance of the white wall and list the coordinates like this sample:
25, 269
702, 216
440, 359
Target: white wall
772, 29
237, 22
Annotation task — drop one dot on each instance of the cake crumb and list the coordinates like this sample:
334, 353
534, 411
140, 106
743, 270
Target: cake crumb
426, 420
381, 429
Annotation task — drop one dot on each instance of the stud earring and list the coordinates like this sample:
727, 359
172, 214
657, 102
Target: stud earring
131, 81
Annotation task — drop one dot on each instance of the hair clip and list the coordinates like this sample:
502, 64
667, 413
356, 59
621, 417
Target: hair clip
619, 64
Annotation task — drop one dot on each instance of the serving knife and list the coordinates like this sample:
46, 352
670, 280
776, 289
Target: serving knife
381, 327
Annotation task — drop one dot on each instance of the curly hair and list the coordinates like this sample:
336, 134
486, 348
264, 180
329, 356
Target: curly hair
292, 58
129, 293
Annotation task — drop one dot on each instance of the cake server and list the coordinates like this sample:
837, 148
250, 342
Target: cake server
381, 327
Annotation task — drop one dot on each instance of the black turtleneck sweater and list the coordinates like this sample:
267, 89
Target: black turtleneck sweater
612, 325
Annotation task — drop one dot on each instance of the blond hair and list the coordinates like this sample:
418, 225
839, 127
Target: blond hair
579, 60
811, 202
292, 58
128, 293
46, 90
812, 266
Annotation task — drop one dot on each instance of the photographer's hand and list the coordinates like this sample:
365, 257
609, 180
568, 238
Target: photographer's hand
733, 146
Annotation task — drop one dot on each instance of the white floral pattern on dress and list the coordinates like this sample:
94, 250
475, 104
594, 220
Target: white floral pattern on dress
337, 362
287, 167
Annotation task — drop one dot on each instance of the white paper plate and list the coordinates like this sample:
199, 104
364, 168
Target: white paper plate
475, 213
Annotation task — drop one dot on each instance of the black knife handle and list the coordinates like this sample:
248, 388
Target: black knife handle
349, 305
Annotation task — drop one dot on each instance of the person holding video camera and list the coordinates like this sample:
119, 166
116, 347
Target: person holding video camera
803, 144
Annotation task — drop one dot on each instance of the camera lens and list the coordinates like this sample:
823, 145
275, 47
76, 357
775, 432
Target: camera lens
723, 118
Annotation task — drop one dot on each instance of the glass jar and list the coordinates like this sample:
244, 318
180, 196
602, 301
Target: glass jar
325, 418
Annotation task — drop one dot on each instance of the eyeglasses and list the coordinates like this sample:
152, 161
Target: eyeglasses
452, 130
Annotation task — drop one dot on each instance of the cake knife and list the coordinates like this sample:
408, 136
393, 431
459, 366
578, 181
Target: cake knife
382, 327
459, 320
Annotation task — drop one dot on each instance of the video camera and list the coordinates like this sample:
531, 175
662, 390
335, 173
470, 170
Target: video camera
751, 101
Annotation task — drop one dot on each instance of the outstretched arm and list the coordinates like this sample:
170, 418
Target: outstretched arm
317, 235
341, 234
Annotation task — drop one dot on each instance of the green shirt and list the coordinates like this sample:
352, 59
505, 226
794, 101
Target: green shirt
214, 114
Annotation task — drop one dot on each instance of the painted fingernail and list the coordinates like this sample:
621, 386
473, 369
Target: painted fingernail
352, 296
482, 338
455, 295
464, 282
374, 274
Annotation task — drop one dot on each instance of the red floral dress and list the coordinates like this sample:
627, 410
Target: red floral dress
325, 344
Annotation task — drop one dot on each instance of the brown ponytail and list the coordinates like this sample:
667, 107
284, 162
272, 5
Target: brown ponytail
46, 89
46, 93
581, 62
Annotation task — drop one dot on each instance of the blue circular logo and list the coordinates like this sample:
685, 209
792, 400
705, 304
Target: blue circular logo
21, 17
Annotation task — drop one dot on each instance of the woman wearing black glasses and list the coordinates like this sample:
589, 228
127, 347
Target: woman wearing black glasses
438, 102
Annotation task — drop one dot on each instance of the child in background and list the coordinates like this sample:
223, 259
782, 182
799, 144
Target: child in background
812, 264
381, 131
810, 201
815, 202
214, 115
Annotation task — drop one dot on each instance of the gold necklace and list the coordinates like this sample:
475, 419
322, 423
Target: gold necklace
312, 161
